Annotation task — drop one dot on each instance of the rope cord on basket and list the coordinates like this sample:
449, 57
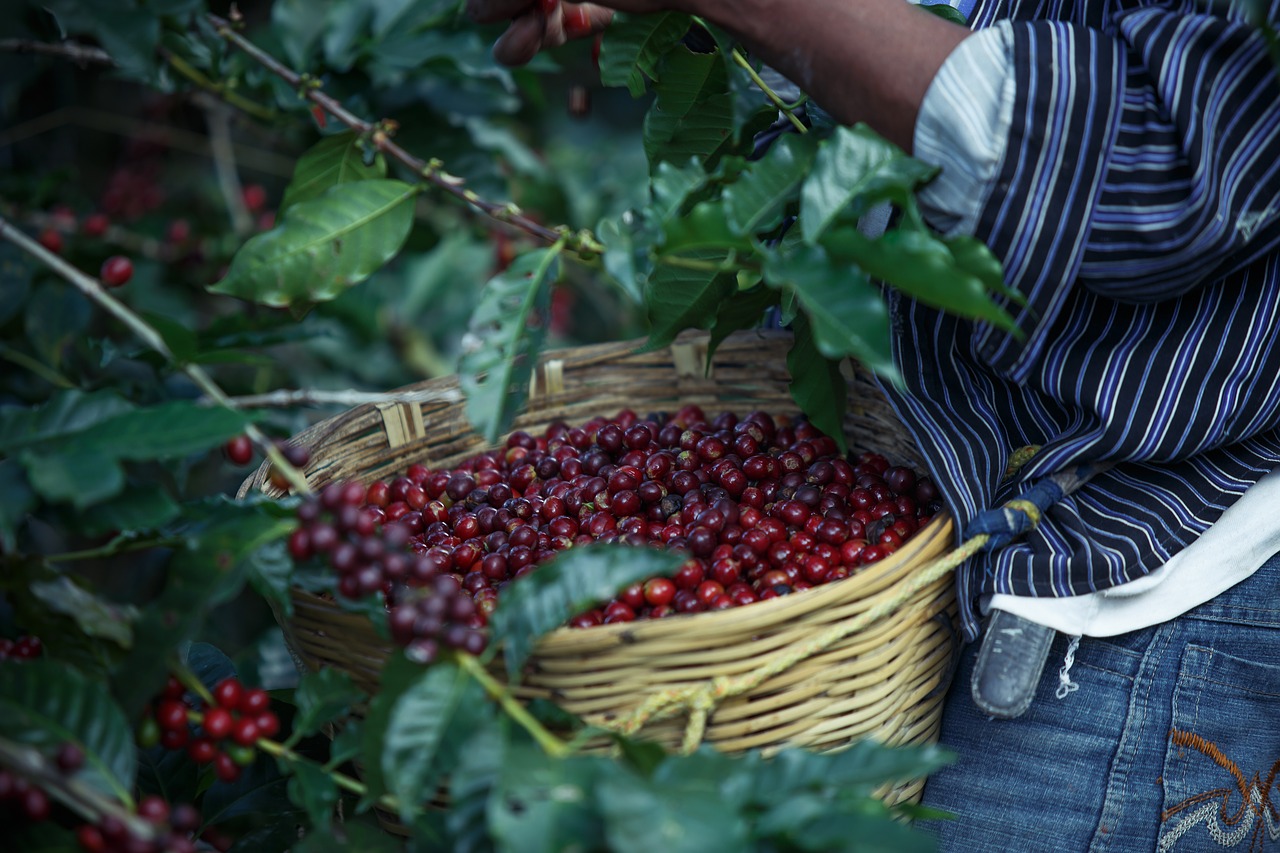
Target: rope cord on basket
989, 529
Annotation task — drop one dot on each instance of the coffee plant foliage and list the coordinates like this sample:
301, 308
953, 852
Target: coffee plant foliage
403, 208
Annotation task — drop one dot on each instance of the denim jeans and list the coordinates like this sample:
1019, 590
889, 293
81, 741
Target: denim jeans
1170, 743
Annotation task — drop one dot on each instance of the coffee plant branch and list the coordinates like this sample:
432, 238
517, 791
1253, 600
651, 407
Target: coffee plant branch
86, 55
289, 398
91, 288
379, 134
275, 749
81, 54
80, 798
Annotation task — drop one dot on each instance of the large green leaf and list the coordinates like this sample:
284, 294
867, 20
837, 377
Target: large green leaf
313, 790
681, 814
743, 310
475, 776
66, 413
545, 805
817, 385
415, 727
856, 164
572, 582
71, 443
95, 616
633, 46
45, 704
678, 298
692, 115
334, 160
505, 336
757, 199
323, 246
55, 319
142, 507
860, 769
16, 500
705, 226
921, 265
322, 697
846, 312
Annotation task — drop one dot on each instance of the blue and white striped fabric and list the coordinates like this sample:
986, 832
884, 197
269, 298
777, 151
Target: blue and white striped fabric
1137, 206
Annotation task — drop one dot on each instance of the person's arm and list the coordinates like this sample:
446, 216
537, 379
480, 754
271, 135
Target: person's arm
863, 60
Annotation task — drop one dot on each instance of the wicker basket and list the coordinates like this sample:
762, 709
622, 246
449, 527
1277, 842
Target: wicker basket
884, 681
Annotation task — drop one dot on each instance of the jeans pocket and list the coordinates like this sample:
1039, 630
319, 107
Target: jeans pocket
1222, 763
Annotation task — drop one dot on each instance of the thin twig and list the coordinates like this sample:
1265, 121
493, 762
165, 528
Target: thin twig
218, 122
742, 62
288, 398
81, 54
91, 288
86, 801
380, 135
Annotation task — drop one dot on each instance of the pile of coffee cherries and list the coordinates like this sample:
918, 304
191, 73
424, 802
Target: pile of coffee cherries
763, 506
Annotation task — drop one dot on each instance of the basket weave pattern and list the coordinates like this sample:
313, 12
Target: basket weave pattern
885, 681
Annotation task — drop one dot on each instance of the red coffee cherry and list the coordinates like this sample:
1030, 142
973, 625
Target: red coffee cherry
116, 271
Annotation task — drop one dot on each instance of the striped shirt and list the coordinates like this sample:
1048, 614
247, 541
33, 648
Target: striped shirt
1135, 202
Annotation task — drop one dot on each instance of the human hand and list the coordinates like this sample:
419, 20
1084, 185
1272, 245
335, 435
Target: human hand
540, 24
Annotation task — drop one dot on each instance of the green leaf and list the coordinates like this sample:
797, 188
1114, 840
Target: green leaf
324, 245
692, 115
625, 255
856, 164
45, 703
58, 476
546, 804
65, 414
743, 310
817, 385
136, 508
705, 226
922, 266
476, 775
260, 790
860, 769
166, 431
337, 159
756, 201
16, 269
643, 815
95, 616
634, 45
945, 11
972, 255
575, 580
56, 316
322, 697
126, 30
16, 500
415, 726
504, 339
677, 298
847, 314
347, 837
314, 791
269, 571
671, 185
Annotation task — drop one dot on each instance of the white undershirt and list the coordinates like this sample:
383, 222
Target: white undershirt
1235, 547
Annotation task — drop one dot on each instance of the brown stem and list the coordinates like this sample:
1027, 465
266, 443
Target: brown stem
81, 54
380, 135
